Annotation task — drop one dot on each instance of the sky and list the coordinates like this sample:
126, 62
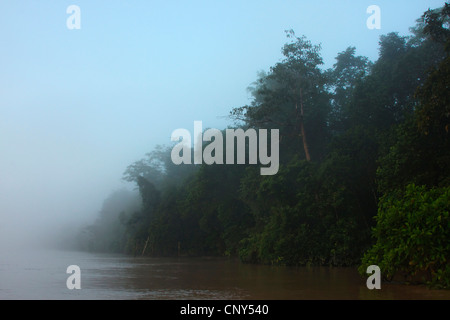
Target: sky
77, 106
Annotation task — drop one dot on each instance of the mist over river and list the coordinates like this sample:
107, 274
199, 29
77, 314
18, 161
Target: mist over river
41, 274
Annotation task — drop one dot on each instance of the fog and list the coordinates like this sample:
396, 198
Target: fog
78, 106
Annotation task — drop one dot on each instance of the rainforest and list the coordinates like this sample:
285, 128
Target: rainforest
364, 169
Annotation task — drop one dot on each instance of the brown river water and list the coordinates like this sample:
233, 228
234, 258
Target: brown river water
40, 275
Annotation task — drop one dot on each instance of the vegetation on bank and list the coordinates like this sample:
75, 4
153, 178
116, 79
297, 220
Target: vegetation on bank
364, 169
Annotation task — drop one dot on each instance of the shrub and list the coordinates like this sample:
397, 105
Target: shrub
413, 236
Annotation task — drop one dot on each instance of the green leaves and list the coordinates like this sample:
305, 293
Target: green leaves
413, 236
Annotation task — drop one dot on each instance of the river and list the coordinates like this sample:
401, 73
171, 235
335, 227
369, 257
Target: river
41, 274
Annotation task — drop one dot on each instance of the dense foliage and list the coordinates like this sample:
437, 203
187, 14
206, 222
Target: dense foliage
413, 232
364, 168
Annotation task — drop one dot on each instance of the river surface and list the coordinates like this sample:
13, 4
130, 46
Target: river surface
42, 275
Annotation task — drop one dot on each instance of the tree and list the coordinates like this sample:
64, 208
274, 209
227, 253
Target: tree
292, 97
433, 113
420, 150
346, 73
158, 168
414, 176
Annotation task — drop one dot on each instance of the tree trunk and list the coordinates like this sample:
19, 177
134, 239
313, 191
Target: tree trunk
145, 246
302, 129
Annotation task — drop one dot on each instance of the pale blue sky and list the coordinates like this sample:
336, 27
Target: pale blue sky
78, 106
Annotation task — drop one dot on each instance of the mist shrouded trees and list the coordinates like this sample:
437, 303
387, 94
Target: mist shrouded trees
108, 232
413, 225
360, 143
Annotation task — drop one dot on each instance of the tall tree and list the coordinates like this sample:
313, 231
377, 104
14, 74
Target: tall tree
347, 72
292, 97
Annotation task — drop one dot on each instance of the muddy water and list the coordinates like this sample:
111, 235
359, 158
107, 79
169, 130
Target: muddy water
42, 275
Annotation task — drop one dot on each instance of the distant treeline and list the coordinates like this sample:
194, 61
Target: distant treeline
364, 173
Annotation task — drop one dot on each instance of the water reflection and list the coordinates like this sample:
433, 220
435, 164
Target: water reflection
42, 275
